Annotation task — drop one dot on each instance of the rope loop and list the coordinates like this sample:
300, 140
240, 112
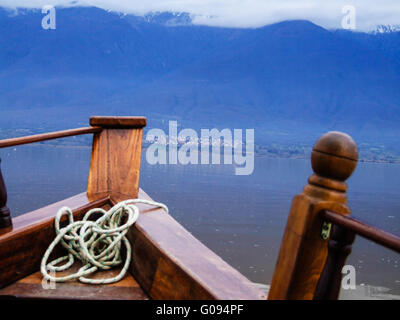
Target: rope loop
97, 244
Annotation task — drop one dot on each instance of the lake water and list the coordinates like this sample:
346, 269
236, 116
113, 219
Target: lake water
241, 218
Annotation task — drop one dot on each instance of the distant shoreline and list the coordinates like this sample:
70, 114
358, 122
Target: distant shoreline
257, 155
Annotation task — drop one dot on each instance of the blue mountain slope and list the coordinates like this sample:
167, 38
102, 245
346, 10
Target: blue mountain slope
291, 80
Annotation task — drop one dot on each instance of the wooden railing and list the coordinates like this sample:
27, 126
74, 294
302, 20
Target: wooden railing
5, 215
47, 136
378, 236
343, 233
319, 232
98, 125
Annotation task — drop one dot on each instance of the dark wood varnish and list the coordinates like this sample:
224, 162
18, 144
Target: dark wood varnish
118, 122
5, 215
339, 247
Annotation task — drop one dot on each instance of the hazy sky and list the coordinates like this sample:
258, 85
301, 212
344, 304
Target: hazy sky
247, 13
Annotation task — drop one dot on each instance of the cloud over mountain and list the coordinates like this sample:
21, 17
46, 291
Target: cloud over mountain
245, 13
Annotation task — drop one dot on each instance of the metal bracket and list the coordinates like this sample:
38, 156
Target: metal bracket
326, 230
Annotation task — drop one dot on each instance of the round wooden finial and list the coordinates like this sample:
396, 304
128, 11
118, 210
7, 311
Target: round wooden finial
334, 156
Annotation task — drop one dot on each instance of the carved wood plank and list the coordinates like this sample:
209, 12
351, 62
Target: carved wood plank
115, 164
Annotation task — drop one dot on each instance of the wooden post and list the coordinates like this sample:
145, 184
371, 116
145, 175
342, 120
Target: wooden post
5, 218
304, 251
115, 163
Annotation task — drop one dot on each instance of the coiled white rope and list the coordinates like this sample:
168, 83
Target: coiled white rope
97, 244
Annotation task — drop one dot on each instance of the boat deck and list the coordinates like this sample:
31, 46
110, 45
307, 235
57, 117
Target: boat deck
31, 287
164, 260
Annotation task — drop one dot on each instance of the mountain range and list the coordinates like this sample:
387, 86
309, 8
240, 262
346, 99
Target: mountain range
291, 81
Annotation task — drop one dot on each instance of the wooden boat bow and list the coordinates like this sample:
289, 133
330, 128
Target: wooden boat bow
167, 261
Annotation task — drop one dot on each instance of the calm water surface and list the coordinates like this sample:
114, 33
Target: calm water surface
241, 218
